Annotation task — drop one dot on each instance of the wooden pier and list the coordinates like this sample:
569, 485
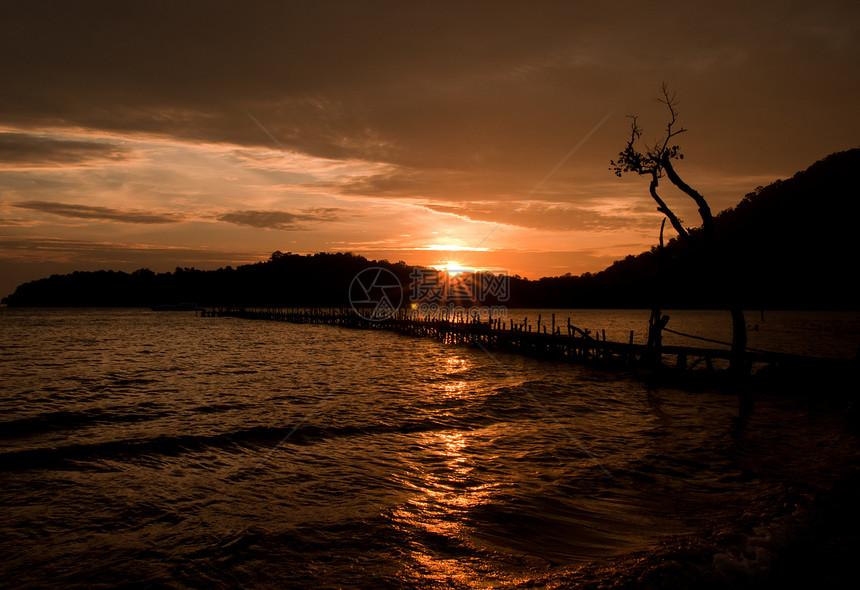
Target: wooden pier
556, 341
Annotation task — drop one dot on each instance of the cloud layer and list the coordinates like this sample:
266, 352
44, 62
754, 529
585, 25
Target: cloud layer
96, 213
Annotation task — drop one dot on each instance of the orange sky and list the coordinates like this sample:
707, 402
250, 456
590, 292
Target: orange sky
149, 134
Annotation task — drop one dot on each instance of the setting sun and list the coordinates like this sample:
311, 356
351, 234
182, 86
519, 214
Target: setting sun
452, 268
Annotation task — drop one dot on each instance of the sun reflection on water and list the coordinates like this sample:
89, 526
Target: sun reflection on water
447, 489
434, 517
450, 369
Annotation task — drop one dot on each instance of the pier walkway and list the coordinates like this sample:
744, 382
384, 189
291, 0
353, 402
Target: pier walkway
556, 341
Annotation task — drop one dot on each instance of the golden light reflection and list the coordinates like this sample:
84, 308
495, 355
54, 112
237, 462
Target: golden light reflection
454, 388
445, 493
455, 364
447, 490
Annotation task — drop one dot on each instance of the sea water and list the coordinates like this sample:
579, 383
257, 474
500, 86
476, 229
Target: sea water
163, 449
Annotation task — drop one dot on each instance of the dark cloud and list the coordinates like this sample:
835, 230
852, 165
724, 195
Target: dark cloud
286, 220
97, 213
8, 222
31, 151
478, 86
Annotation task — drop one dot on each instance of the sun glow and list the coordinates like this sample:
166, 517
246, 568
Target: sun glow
452, 268
452, 248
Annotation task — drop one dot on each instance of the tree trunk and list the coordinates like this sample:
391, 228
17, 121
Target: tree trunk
655, 339
655, 323
664, 209
737, 362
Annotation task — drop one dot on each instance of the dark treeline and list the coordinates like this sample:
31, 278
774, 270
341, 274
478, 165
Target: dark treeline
285, 279
792, 244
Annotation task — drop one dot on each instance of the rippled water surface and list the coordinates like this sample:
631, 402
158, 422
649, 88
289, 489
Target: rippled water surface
165, 449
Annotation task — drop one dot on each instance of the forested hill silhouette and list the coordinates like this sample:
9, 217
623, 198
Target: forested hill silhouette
321, 279
792, 244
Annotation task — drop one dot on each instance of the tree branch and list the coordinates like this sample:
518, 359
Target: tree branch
704, 209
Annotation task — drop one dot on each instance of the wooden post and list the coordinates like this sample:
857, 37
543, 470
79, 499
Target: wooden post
632, 356
737, 363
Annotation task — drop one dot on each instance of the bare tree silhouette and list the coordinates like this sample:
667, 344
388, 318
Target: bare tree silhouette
655, 161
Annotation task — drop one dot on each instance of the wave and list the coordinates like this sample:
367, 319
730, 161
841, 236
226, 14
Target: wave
241, 441
75, 420
69, 420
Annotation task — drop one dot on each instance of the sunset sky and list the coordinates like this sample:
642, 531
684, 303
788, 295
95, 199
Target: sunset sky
161, 134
